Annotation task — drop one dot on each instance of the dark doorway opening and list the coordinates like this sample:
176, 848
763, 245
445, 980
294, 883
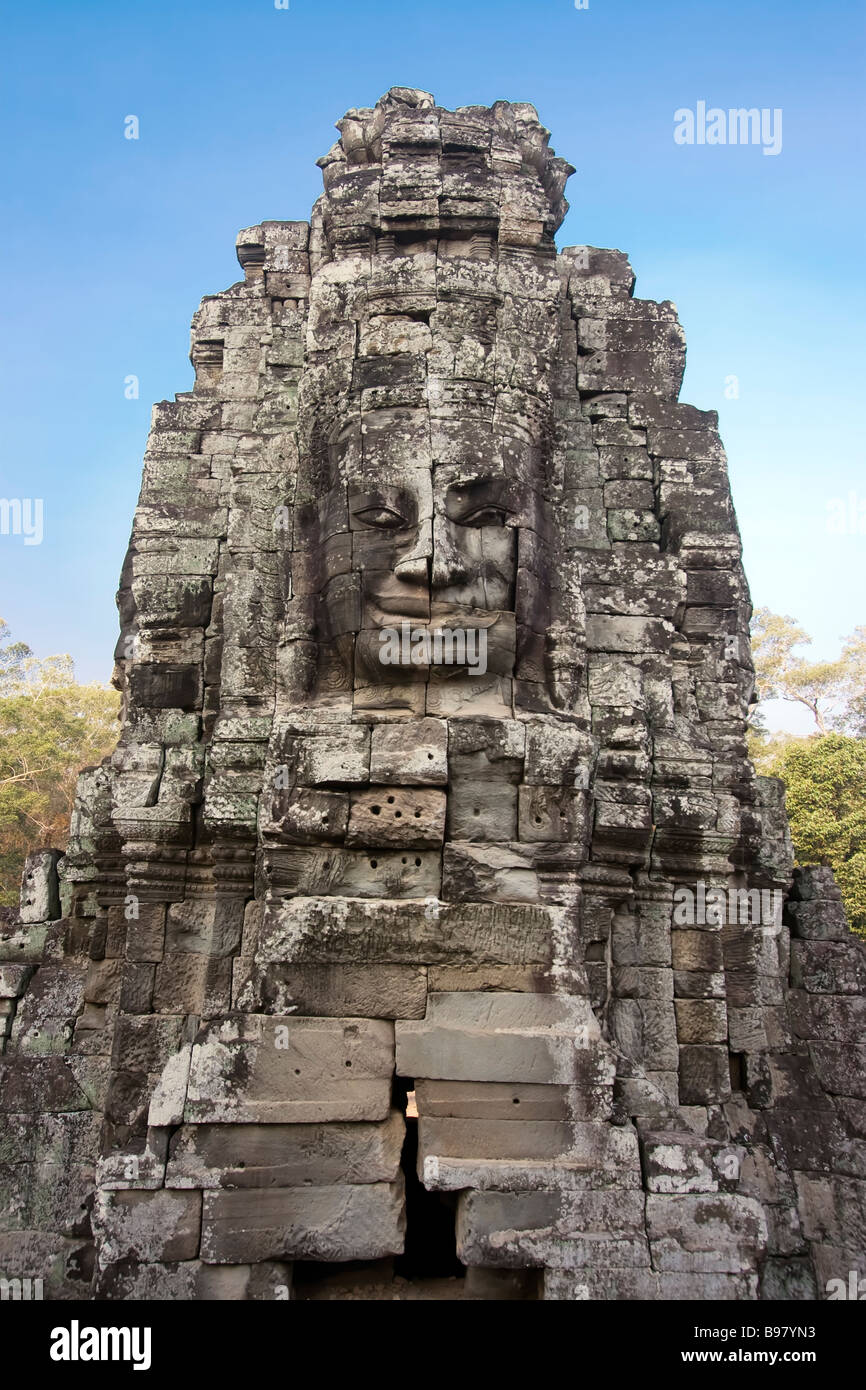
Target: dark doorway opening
429, 1267
431, 1237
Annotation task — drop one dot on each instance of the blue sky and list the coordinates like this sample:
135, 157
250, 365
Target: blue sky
111, 243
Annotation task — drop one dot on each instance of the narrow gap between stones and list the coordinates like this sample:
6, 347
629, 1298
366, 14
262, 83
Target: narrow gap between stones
430, 1251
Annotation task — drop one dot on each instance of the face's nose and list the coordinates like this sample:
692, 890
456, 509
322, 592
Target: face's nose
450, 563
415, 569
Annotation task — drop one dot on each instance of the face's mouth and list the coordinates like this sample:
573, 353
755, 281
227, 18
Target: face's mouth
453, 649
380, 615
384, 611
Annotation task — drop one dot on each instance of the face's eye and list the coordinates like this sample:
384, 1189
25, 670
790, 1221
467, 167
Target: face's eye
486, 516
383, 517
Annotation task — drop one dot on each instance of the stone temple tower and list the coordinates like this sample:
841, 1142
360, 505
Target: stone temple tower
432, 799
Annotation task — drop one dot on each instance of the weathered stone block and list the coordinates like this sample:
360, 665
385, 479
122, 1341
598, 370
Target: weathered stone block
501, 1037
392, 816
558, 755
412, 754
207, 928
39, 1085
340, 756
190, 982
14, 979
646, 1029
309, 815
341, 1222
633, 635
359, 931
682, 1163
40, 896
168, 1097
277, 1155
188, 1280
339, 990
443, 979
148, 1226
701, 1021
549, 814
815, 881
471, 1100
567, 1285
696, 949
491, 873
704, 1075
482, 811
820, 919
272, 1070
145, 1042
553, 1229
538, 1140
718, 1233
145, 933
354, 873
829, 967
841, 1068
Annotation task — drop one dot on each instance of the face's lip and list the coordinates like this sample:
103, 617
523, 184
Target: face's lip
385, 612
380, 616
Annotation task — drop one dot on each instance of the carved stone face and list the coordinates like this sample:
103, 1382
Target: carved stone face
413, 555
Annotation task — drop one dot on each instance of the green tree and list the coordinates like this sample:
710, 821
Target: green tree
50, 727
13, 656
834, 692
854, 683
781, 675
825, 775
825, 793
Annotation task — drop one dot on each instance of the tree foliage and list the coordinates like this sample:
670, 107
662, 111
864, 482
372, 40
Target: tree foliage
825, 775
825, 793
50, 727
832, 691
854, 683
